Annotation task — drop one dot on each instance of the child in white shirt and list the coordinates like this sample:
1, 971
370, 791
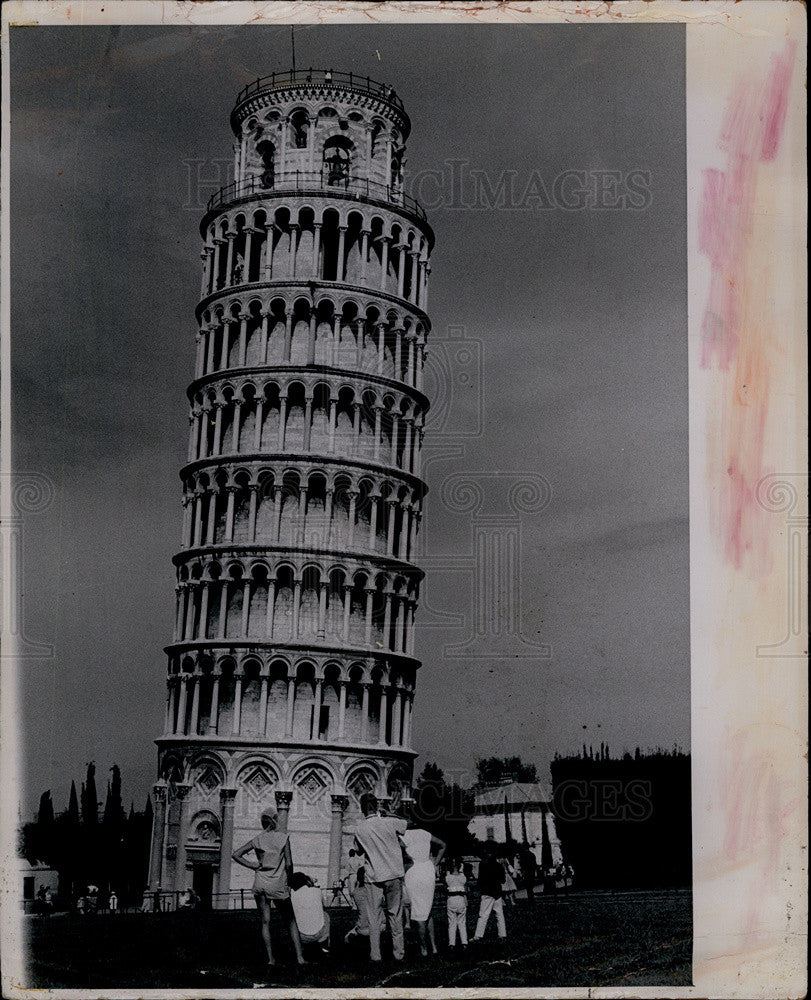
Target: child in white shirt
457, 904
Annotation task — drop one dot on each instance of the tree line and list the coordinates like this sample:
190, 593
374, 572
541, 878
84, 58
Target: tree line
88, 845
625, 822
622, 821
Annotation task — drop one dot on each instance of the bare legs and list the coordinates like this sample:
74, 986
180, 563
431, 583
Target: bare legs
425, 931
294, 937
263, 906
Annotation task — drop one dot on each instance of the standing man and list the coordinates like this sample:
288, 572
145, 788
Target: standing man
529, 867
378, 837
491, 886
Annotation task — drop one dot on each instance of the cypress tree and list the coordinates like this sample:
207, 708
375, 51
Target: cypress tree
45, 813
73, 806
113, 812
90, 801
112, 832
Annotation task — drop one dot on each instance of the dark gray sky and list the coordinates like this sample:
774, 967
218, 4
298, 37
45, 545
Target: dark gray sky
580, 316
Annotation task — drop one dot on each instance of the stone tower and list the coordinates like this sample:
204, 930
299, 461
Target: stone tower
291, 673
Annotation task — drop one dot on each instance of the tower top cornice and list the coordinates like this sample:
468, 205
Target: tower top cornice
320, 84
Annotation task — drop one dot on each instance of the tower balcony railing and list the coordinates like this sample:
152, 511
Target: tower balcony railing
324, 77
316, 182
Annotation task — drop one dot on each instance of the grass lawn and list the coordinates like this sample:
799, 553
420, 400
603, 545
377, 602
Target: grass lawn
580, 939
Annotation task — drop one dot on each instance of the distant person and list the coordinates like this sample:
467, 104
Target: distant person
491, 883
529, 868
378, 839
49, 899
312, 919
81, 905
569, 877
113, 903
456, 882
509, 882
356, 883
273, 867
189, 900
420, 881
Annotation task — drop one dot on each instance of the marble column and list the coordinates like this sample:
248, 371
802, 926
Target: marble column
339, 276
283, 800
367, 634
180, 725
263, 698
195, 703
243, 337
384, 711
342, 710
395, 717
229, 263
227, 797
158, 830
271, 608
336, 830
353, 498
169, 720
291, 704
364, 714
215, 702
181, 875
347, 611
238, 675
315, 734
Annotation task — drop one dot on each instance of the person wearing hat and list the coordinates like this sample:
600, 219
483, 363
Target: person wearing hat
273, 867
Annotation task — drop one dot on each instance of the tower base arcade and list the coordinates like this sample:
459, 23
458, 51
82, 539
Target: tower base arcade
209, 800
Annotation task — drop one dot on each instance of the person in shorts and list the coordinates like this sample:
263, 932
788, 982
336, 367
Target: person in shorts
273, 867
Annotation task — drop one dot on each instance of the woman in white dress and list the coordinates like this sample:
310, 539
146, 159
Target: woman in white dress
420, 881
509, 881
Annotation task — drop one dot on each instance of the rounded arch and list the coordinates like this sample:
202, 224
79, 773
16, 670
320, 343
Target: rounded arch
204, 826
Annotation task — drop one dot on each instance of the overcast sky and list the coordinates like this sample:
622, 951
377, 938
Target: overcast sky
580, 317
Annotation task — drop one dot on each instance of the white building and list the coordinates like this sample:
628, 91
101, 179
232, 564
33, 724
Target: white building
33, 876
518, 811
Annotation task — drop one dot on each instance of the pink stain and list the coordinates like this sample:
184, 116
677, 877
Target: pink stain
776, 102
735, 328
757, 808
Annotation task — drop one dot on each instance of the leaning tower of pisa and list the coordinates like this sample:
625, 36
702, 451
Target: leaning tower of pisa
291, 671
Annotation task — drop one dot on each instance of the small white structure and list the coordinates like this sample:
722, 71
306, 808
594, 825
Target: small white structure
33, 876
521, 812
